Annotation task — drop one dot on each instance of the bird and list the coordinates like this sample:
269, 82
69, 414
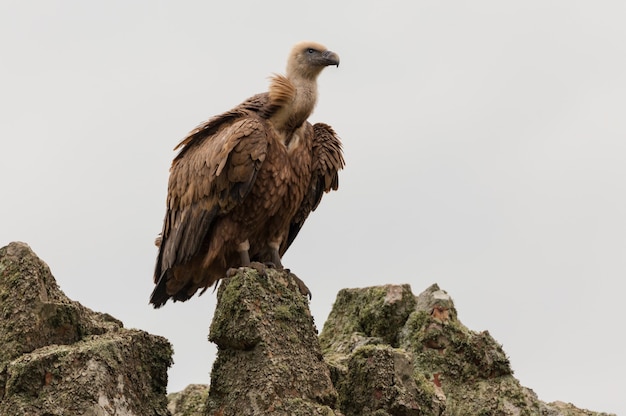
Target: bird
244, 182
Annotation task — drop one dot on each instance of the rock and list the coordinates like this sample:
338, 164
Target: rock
189, 402
383, 351
392, 353
568, 409
269, 359
379, 379
360, 340
60, 358
367, 316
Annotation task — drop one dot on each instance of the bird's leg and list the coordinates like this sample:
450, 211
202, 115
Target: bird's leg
243, 249
244, 256
274, 246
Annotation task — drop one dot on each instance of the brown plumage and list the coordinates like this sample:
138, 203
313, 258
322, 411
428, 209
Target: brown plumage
245, 181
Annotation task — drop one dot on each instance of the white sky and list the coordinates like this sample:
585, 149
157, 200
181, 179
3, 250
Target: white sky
485, 149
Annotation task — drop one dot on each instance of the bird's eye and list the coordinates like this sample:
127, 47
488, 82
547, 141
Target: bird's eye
310, 50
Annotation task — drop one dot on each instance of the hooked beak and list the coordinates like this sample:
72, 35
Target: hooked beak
330, 58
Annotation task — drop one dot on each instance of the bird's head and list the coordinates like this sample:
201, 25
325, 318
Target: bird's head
307, 59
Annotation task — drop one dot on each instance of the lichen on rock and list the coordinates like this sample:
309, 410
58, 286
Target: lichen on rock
393, 353
360, 341
269, 359
383, 351
366, 316
61, 358
189, 402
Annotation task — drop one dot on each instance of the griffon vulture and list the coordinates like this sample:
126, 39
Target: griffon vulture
245, 181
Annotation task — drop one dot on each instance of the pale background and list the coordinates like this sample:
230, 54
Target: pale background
485, 148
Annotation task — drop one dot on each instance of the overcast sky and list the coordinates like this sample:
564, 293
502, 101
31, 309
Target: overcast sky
485, 147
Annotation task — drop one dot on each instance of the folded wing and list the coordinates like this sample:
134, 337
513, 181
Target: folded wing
326, 163
211, 175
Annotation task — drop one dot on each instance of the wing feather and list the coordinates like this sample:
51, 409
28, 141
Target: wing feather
327, 161
212, 174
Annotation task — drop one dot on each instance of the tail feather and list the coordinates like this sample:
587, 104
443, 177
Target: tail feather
159, 295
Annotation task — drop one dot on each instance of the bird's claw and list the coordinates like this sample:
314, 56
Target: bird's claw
301, 286
232, 271
259, 267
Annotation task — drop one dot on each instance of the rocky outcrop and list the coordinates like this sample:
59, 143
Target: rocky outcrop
386, 352
60, 358
189, 402
383, 351
360, 342
269, 359
393, 353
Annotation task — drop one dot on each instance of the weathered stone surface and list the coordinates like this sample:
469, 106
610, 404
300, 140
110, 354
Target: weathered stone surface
381, 380
568, 409
360, 340
366, 316
269, 359
445, 348
33, 309
60, 358
387, 352
189, 402
392, 353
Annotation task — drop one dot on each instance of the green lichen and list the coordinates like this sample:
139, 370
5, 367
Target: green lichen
131, 365
413, 331
502, 396
378, 318
448, 348
282, 365
376, 312
189, 402
283, 312
300, 407
463, 371
379, 379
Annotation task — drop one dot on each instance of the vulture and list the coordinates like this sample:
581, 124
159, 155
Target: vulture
244, 182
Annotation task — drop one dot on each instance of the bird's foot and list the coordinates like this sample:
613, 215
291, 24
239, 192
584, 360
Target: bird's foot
233, 271
301, 286
259, 267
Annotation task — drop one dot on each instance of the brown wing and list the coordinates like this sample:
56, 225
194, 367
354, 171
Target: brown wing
209, 177
327, 161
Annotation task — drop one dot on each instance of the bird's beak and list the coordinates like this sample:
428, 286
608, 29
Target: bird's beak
330, 58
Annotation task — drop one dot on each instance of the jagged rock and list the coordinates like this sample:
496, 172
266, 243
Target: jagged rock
380, 380
189, 402
360, 340
367, 316
392, 353
60, 358
269, 359
568, 409
387, 352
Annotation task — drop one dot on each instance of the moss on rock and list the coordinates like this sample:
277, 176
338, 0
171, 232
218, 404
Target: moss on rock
380, 379
269, 359
60, 358
35, 312
386, 352
189, 402
414, 357
371, 315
